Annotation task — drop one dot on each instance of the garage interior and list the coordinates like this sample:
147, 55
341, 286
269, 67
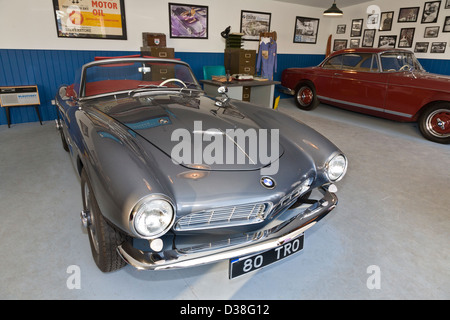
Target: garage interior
393, 214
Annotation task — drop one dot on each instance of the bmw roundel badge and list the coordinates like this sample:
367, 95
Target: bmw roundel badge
267, 182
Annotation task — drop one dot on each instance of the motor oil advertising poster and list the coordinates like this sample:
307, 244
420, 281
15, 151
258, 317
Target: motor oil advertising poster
90, 19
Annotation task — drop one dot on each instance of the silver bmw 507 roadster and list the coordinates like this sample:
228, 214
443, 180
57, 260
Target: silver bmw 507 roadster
172, 178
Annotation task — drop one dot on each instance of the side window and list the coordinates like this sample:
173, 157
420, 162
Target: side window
333, 63
363, 62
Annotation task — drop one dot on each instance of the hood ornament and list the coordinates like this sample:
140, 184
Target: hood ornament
222, 101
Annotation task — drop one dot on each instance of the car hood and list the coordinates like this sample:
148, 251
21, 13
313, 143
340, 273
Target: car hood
423, 80
194, 132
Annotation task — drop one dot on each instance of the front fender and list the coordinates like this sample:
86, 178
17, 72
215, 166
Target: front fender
120, 171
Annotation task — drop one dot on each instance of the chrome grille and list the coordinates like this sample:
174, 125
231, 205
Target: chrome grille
224, 217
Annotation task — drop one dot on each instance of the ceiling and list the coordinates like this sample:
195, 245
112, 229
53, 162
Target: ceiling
325, 4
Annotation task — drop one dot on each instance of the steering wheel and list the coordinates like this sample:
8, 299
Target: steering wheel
172, 80
405, 67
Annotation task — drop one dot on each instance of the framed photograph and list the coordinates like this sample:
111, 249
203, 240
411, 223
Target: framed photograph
447, 4
306, 30
339, 44
341, 28
387, 41
373, 21
438, 47
368, 38
408, 14
421, 47
253, 23
90, 20
431, 11
406, 37
356, 28
446, 27
188, 21
354, 43
431, 32
386, 20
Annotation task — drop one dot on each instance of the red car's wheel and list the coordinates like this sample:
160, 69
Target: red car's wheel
305, 96
434, 122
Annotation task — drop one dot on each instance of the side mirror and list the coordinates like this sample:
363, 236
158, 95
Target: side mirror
222, 101
222, 90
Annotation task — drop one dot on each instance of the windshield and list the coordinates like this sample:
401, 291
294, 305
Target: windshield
129, 75
399, 61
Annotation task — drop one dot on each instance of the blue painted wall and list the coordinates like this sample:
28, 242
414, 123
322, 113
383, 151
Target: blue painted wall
51, 68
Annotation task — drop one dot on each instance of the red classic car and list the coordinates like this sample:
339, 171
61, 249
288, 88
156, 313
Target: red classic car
388, 83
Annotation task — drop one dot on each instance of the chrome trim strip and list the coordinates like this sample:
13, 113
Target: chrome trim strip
367, 107
260, 241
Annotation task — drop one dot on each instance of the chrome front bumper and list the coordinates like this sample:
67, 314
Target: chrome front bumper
300, 219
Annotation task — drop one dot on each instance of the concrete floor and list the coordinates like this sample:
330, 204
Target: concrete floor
393, 217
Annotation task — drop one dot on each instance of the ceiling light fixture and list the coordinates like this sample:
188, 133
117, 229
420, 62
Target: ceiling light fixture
333, 11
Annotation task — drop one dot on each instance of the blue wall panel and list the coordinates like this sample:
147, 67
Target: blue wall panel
49, 69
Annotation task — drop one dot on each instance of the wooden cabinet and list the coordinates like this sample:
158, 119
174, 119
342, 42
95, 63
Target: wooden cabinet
240, 61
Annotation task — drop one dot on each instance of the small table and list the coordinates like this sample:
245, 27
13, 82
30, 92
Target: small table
260, 92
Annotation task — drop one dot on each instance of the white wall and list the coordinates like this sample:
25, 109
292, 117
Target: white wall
31, 25
359, 11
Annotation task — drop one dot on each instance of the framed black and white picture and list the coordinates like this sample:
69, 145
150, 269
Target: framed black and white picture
438, 47
431, 11
421, 47
447, 4
387, 41
406, 37
306, 30
253, 23
408, 14
354, 43
341, 28
446, 27
431, 32
356, 28
386, 21
188, 21
368, 38
339, 44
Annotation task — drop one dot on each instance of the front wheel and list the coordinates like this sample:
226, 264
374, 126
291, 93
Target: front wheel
305, 96
434, 123
103, 237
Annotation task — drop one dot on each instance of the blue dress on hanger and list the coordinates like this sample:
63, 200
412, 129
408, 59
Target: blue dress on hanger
267, 58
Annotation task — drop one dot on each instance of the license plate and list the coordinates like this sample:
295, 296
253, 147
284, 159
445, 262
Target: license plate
240, 266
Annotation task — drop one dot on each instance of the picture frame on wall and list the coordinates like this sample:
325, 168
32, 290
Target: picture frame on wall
386, 20
306, 30
438, 47
421, 47
188, 21
339, 44
89, 20
354, 43
431, 32
446, 27
447, 4
387, 41
408, 14
431, 11
406, 37
341, 28
368, 38
253, 23
356, 29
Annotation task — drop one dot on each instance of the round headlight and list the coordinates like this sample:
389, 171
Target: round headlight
153, 217
336, 167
